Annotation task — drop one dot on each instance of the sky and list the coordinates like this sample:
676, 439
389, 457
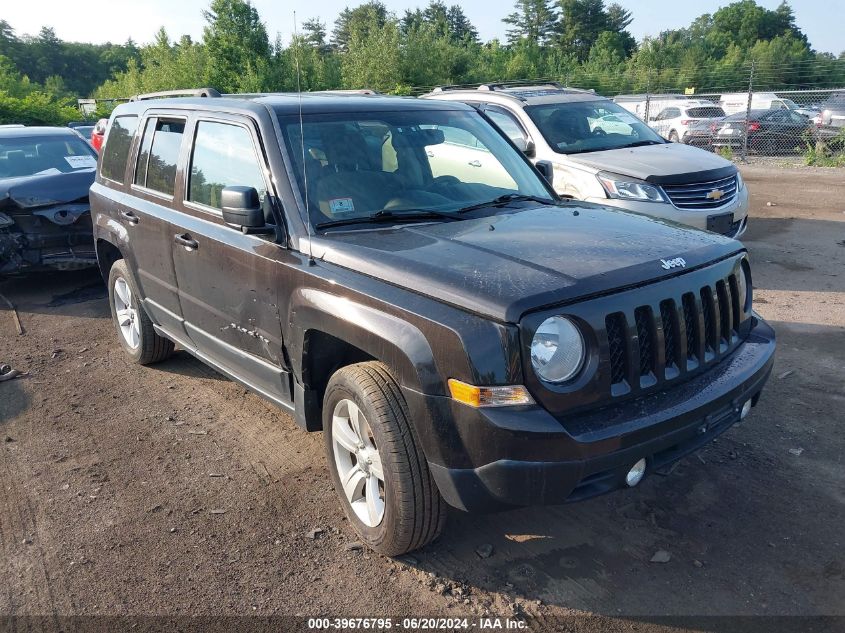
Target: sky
118, 20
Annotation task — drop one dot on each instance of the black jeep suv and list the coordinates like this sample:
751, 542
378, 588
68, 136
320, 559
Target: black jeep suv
459, 333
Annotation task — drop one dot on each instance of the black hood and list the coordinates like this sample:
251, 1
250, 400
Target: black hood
507, 265
29, 192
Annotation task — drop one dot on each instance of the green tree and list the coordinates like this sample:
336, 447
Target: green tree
314, 34
533, 22
21, 101
237, 44
431, 56
583, 21
358, 22
373, 58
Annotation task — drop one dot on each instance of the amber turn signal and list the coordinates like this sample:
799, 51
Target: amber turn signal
500, 396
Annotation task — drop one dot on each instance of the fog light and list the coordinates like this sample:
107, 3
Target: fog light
746, 409
635, 475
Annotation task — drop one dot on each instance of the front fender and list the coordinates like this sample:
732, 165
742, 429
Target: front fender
388, 338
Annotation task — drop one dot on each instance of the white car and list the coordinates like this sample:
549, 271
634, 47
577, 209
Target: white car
601, 153
690, 122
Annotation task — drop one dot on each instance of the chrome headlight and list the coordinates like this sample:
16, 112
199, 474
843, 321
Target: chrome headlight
624, 188
557, 350
743, 286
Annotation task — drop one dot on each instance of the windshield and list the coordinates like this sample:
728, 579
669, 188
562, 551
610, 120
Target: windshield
590, 126
44, 155
358, 165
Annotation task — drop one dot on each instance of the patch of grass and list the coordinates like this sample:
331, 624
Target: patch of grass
726, 152
830, 153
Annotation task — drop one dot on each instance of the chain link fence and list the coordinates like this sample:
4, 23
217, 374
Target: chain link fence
806, 123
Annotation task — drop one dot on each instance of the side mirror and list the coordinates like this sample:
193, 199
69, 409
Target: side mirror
524, 145
242, 207
546, 169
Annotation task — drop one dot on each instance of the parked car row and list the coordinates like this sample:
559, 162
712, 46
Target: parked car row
416, 279
776, 125
93, 133
769, 131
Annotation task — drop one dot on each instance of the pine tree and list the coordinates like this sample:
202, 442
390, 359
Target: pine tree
533, 22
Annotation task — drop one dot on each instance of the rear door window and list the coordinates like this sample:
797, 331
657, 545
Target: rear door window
116, 148
223, 155
706, 112
458, 136
159, 154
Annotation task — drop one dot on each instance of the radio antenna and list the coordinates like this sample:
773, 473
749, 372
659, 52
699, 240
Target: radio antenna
302, 144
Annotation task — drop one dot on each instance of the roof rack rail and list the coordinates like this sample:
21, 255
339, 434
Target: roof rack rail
500, 86
452, 87
197, 92
350, 91
503, 85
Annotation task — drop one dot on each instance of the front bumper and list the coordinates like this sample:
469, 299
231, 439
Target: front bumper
691, 217
34, 243
697, 139
494, 459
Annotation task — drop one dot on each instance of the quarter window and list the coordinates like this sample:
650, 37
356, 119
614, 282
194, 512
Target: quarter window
159, 154
116, 149
223, 155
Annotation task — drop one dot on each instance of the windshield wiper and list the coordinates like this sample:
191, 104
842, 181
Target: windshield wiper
508, 197
386, 215
641, 143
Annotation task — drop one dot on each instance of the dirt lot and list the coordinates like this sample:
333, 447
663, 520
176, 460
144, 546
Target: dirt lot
169, 490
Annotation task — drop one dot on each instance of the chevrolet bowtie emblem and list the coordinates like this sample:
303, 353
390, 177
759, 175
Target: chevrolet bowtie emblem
716, 194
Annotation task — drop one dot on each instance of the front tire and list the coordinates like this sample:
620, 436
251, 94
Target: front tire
376, 465
135, 331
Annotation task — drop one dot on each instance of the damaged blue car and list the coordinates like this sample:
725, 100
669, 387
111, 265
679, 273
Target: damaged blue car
45, 219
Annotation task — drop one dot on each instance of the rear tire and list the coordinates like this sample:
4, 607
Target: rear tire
135, 331
673, 137
402, 510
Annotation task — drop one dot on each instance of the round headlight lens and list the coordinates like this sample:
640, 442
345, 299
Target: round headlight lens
557, 350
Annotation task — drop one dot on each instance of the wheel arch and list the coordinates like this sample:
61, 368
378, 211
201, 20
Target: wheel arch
107, 255
342, 332
111, 242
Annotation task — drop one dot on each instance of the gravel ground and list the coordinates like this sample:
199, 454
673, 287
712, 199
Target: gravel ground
170, 491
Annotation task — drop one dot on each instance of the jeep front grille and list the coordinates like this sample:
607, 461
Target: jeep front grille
645, 323
702, 195
675, 335
668, 317
615, 326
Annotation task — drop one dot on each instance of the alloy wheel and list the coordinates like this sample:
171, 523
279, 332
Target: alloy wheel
127, 314
358, 462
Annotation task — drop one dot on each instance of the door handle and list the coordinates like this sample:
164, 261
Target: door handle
185, 240
474, 163
130, 217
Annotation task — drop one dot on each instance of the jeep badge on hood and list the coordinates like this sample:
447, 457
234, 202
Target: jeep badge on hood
668, 264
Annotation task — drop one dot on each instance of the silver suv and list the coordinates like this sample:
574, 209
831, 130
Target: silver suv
602, 153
